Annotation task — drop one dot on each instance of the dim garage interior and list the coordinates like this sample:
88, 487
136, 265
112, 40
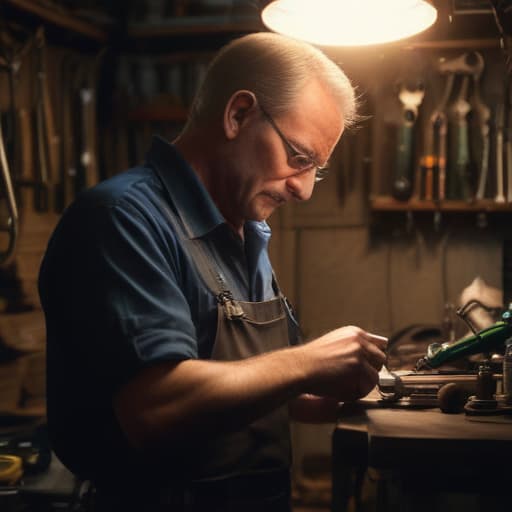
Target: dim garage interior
409, 236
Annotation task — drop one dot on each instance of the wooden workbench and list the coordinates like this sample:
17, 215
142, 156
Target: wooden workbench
425, 451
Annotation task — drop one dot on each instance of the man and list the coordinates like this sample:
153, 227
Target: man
173, 358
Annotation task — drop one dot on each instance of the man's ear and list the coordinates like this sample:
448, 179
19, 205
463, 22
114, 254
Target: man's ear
238, 108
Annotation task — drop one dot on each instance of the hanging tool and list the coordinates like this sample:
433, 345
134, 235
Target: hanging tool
508, 143
10, 64
434, 160
85, 123
404, 167
12, 224
65, 186
46, 139
458, 182
483, 113
500, 196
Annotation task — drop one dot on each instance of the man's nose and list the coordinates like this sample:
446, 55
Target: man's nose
301, 186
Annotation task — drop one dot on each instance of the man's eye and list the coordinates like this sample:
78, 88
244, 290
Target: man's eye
302, 162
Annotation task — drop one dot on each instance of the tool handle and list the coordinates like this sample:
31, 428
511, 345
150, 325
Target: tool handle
403, 176
508, 156
458, 176
484, 168
500, 194
486, 340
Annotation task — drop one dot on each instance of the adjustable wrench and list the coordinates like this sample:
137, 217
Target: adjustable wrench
404, 167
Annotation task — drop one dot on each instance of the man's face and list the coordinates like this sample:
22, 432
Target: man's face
268, 172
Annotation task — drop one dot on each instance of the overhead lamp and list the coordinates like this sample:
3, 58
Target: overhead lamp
349, 22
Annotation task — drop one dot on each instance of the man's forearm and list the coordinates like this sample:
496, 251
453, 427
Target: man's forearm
171, 401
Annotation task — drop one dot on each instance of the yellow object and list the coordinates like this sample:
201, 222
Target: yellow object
349, 22
11, 469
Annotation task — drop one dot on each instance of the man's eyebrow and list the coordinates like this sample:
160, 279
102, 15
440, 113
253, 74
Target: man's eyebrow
304, 149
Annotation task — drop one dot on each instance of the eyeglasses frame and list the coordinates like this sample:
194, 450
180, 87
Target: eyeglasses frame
320, 170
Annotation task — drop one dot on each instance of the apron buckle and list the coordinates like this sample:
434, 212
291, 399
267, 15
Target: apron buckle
231, 307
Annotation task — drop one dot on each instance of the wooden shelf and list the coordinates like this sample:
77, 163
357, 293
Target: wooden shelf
155, 112
447, 44
389, 204
196, 26
59, 17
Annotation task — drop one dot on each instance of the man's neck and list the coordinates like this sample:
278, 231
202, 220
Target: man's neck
204, 162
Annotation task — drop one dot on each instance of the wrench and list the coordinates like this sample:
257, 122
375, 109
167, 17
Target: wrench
404, 169
468, 63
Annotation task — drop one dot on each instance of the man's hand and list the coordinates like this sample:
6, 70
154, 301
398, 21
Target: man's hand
344, 363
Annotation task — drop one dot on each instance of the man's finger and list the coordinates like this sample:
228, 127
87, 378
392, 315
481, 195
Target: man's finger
368, 380
376, 339
375, 356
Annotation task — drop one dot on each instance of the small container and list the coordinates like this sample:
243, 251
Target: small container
485, 383
507, 372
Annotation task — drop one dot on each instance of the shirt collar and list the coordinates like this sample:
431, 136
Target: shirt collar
194, 204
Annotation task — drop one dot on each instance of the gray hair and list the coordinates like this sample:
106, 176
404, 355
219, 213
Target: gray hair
275, 68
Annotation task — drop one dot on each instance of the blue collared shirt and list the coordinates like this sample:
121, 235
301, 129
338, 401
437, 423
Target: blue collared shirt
119, 291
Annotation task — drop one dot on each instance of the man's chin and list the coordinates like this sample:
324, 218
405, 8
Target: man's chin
262, 214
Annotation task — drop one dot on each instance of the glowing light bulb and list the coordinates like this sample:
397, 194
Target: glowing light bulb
349, 22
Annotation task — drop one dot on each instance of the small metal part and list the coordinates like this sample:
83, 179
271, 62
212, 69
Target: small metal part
418, 387
485, 383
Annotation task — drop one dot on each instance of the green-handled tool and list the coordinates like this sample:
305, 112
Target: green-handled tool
404, 166
487, 340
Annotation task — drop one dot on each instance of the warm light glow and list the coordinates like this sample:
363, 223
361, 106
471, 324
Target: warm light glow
348, 22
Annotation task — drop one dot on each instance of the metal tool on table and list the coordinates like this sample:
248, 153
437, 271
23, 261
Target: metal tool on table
421, 385
410, 99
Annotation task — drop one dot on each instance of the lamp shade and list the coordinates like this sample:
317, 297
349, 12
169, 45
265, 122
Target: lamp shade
349, 22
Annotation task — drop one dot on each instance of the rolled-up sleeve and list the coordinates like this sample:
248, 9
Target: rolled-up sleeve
125, 295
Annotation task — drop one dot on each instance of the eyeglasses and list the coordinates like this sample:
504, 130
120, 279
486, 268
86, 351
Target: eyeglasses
296, 159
